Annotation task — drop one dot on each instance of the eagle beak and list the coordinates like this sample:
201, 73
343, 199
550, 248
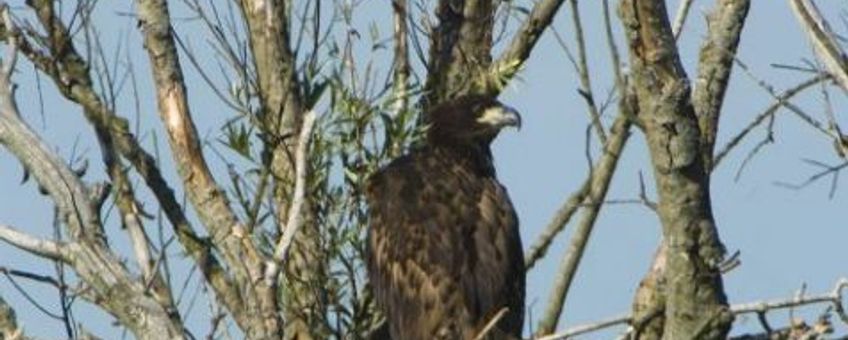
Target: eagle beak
501, 116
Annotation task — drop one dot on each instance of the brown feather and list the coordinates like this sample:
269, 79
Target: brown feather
444, 249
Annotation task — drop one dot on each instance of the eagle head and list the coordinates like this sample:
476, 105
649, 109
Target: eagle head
470, 119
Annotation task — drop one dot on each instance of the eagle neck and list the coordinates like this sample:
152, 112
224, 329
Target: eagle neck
477, 157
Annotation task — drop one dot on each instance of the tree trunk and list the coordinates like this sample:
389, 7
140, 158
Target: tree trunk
687, 292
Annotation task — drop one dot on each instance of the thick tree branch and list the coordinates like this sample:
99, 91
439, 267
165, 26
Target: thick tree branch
400, 63
714, 68
58, 180
541, 16
460, 51
283, 109
694, 301
41, 247
70, 74
112, 287
209, 200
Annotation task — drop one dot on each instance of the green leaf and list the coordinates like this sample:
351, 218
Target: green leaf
238, 139
315, 92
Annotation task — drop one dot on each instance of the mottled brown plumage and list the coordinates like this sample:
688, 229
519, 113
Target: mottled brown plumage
445, 254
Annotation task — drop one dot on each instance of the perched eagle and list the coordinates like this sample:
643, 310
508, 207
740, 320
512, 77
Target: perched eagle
444, 252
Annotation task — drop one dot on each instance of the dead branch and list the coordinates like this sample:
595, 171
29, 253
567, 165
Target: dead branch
209, 200
26, 242
491, 324
599, 184
782, 98
715, 64
88, 254
65, 67
823, 39
526, 38
33, 277
588, 328
563, 215
835, 297
583, 72
561, 218
828, 49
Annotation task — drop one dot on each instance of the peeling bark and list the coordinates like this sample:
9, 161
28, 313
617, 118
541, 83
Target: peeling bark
258, 316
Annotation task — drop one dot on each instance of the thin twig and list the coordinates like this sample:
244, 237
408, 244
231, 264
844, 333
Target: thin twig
583, 72
32, 276
792, 107
587, 328
680, 17
491, 324
563, 215
769, 111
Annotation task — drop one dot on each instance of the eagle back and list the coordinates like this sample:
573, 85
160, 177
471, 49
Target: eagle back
444, 250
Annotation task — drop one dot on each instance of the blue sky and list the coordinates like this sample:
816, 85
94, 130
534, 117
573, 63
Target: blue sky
786, 237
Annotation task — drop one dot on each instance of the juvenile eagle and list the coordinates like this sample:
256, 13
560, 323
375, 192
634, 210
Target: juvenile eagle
444, 249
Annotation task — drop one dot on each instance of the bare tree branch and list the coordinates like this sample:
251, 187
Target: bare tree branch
694, 300
583, 72
526, 38
563, 215
209, 200
491, 324
834, 297
588, 328
32, 244
283, 107
401, 64
295, 215
88, 254
828, 49
768, 112
715, 64
69, 72
600, 181
823, 39
561, 218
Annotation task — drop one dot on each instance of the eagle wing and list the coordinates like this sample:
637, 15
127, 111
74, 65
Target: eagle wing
444, 251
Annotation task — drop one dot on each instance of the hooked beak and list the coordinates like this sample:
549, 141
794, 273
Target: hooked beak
501, 116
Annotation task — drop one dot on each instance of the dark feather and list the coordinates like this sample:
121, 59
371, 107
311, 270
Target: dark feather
445, 254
